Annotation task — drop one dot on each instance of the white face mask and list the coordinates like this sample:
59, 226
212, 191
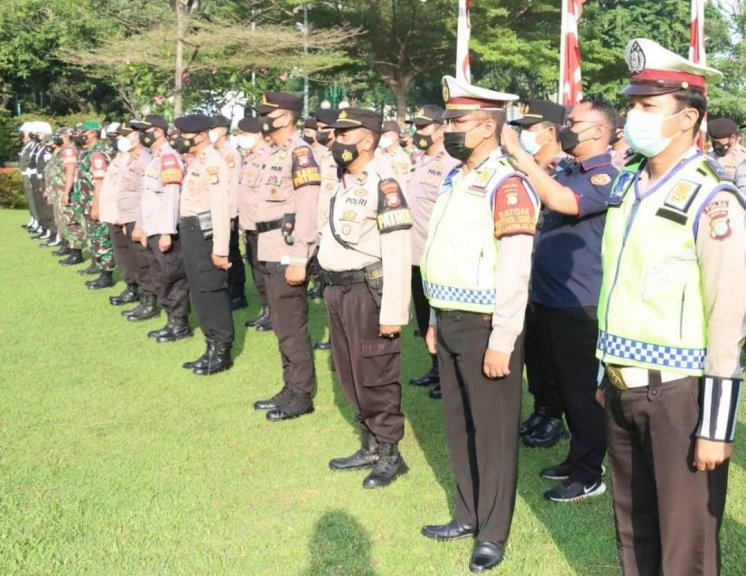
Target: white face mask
247, 142
643, 132
124, 144
529, 143
385, 142
214, 136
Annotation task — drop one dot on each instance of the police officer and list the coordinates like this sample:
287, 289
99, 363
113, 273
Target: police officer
309, 132
726, 150
51, 171
24, 158
37, 161
205, 226
365, 256
475, 267
671, 323
236, 273
254, 145
287, 224
73, 232
394, 154
422, 191
156, 233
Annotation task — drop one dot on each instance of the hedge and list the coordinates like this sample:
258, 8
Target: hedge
11, 189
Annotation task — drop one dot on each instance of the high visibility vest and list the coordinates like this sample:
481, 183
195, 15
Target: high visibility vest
651, 309
458, 263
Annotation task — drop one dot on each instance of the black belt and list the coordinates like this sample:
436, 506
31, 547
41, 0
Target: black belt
269, 226
342, 278
189, 222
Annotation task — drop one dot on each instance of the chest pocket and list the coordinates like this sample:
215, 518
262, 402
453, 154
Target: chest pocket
350, 212
277, 185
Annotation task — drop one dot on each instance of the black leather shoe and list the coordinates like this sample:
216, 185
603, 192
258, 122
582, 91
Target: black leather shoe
432, 377
273, 402
239, 302
179, 330
105, 280
155, 334
435, 392
40, 234
52, 242
263, 317
486, 556
63, 250
146, 310
389, 466
218, 360
323, 345
366, 457
264, 327
130, 294
90, 271
75, 257
532, 422
547, 435
292, 406
199, 361
451, 531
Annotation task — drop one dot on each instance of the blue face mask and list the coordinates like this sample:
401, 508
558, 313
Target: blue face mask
529, 143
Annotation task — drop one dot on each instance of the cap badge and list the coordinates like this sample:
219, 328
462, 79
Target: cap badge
636, 59
420, 112
446, 91
423, 142
342, 115
525, 109
264, 99
347, 156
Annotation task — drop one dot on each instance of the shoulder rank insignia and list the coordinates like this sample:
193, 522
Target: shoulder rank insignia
719, 171
479, 186
305, 170
393, 213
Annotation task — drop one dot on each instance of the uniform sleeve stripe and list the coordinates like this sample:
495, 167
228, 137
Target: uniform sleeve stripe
721, 409
721, 398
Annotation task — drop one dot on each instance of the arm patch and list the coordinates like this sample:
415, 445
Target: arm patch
170, 170
98, 165
69, 156
393, 212
515, 213
305, 170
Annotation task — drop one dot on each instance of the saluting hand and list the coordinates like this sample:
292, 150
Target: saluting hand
164, 243
385, 331
221, 262
496, 364
511, 145
431, 339
708, 454
295, 275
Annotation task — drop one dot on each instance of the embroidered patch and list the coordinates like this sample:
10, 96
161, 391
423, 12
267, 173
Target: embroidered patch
273, 179
349, 215
514, 211
681, 195
170, 170
214, 173
361, 178
600, 179
392, 192
621, 186
393, 213
231, 161
717, 211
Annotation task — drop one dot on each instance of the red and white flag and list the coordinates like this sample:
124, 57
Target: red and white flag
463, 70
697, 51
571, 87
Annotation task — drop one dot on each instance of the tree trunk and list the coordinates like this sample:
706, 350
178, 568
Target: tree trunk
399, 88
179, 72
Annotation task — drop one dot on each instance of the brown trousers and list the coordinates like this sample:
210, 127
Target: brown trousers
482, 418
368, 367
668, 515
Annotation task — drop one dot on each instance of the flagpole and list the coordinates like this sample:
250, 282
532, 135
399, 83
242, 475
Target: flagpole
563, 53
463, 68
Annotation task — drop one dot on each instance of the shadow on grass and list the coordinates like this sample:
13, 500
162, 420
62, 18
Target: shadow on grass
339, 545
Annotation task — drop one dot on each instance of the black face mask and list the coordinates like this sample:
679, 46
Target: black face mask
147, 139
720, 149
308, 139
323, 137
569, 140
423, 142
344, 154
49, 147
58, 141
80, 139
268, 125
182, 145
455, 144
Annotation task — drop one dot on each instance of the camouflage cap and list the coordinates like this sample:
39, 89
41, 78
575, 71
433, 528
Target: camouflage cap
89, 125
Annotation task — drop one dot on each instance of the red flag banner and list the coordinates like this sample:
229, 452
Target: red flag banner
463, 69
697, 50
570, 85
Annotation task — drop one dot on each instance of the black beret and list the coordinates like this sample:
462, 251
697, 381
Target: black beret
151, 120
359, 118
428, 114
221, 121
193, 123
249, 124
311, 124
278, 101
535, 111
327, 116
721, 128
390, 126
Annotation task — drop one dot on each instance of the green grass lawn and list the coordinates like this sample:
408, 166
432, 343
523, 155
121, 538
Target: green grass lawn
115, 460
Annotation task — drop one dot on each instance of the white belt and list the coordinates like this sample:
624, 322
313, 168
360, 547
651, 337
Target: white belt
638, 377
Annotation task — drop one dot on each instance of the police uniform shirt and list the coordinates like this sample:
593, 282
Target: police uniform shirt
400, 163
161, 188
370, 215
735, 156
130, 189
206, 189
107, 203
290, 185
329, 181
234, 162
422, 192
249, 186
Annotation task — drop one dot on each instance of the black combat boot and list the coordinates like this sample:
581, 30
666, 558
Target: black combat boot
41, 234
155, 334
263, 317
131, 294
202, 360
389, 466
75, 257
179, 330
218, 360
292, 406
55, 240
366, 457
147, 309
428, 379
91, 270
105, 280
323, 346
273, 402
63, 250
239, 302
435, 392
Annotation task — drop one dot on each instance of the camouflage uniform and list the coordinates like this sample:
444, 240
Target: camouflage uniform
72, 229
54, 177
92, 165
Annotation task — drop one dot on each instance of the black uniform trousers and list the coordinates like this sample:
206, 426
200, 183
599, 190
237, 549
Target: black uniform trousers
252, 251
421, 304
542, 382
237, 272
125, 253
568, 343
208, 286
289, 311
668, 515
169, 281
44, 209
368, 367
482, 418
